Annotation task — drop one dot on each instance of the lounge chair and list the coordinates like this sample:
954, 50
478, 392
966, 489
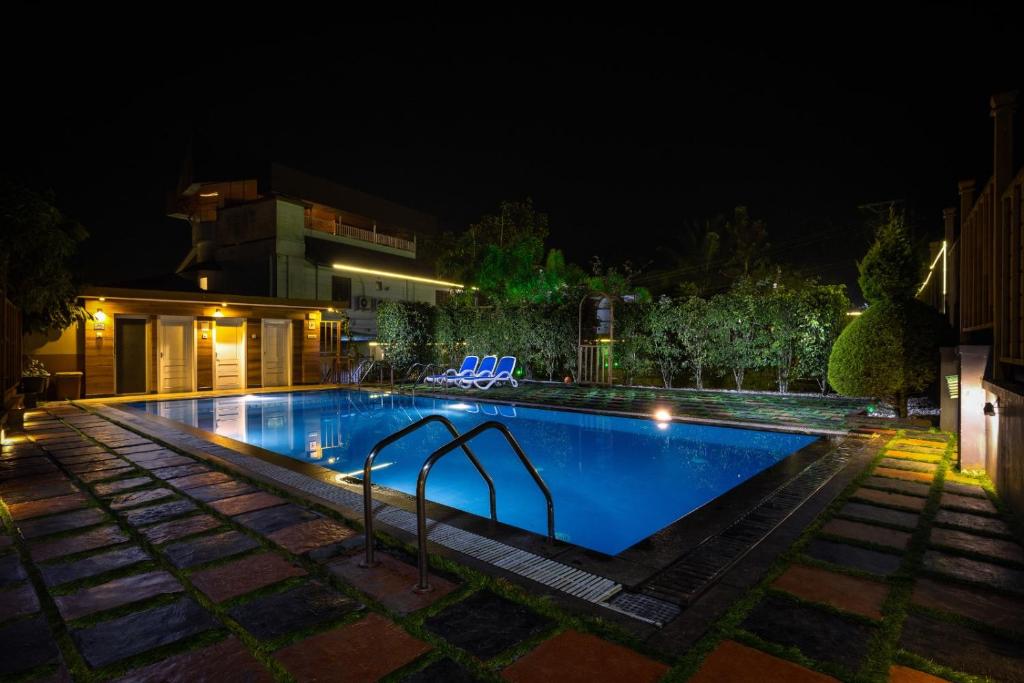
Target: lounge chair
468, 369
501, 373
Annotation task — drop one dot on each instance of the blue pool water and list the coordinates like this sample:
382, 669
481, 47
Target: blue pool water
615, 480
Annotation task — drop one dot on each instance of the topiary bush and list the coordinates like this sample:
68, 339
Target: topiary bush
890, 352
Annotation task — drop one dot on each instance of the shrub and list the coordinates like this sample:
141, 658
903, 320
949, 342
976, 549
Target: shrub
890, 271
405, 332
889, 352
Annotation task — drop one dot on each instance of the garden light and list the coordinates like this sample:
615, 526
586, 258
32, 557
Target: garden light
662, 415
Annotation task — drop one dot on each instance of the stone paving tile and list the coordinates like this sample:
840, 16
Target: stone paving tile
486, 624
441, 671
576, 657
227, 661
854, 557
819, 634
228, 581
49, 489
301, 538
138, 632
24, 645
57, 574
100, 466
962, 648
969, 522
995, 609
873, 513
975, 571
151, 455
47, 506
392, 583
849, 593
113, 487
18, 601
64, 453
163, 461
731, 661
370, 648
911, 488
99, 537
269, 520
922, 456
867, 532
158, 513
981, 545
116, 593
311, 604
30, 484
179, 471
140, 448
179, 528
11, 570
954, 501
196, 480
226, 489
34, 528
185, 554
247, 503
889, 499
937, 444
903, 674
135, 498
103, 475
964, 489
98, 456
909, 465
906, 475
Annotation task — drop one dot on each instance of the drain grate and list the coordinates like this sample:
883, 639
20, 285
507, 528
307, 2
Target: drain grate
685, 580
645, 608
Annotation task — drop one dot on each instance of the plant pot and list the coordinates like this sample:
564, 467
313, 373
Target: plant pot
34, 384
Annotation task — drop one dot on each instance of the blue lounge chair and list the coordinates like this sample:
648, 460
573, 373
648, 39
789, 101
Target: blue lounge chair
501, 373
468, 369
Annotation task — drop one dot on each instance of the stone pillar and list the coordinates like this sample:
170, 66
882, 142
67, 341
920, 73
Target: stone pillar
973, 361
949, 405
1003, 106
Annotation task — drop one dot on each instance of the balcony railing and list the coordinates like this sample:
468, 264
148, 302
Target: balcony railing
332, 226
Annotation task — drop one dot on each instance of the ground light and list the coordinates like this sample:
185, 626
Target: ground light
662, 415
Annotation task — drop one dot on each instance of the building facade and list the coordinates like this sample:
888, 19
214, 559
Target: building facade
982, 292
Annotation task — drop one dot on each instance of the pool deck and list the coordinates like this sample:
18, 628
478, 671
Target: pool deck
123, 556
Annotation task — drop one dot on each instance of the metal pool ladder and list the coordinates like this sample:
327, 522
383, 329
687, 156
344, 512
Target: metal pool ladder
369, 561
421, 489
458, 441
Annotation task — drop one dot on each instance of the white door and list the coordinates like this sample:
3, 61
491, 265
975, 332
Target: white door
276, 334
229, 417
175, 338
229, 354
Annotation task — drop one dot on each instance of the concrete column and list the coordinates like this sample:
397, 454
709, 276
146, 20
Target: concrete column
973, 361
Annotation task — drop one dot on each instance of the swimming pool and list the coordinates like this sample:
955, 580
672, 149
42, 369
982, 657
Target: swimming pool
614, 480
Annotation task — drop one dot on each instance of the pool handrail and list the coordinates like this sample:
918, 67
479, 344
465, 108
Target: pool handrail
421, 489
369, 560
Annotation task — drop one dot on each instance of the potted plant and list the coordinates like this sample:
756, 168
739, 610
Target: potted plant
34, 378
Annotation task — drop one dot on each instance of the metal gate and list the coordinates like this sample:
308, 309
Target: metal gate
335, 362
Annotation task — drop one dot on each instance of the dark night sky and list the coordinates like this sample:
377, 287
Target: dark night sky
619, 133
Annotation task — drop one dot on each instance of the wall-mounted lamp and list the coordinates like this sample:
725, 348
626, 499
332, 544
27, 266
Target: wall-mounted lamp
218, 314
99, 316
990, 409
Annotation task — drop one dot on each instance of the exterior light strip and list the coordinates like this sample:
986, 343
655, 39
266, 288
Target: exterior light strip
385, 273
942, 255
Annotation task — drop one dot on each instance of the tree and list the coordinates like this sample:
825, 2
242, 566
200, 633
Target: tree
889, 352
663, 325
35, 254
631, 343
696, 335
749, 244
786, 314
741, 342
890, 271
826, 308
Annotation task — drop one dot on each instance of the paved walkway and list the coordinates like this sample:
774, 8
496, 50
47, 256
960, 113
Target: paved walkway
121, 559
787, 410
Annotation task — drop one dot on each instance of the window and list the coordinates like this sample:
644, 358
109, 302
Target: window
341, 290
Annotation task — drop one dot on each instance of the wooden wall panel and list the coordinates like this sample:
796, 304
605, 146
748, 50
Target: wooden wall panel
254, 352
306, 351
154, 355
204, 355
